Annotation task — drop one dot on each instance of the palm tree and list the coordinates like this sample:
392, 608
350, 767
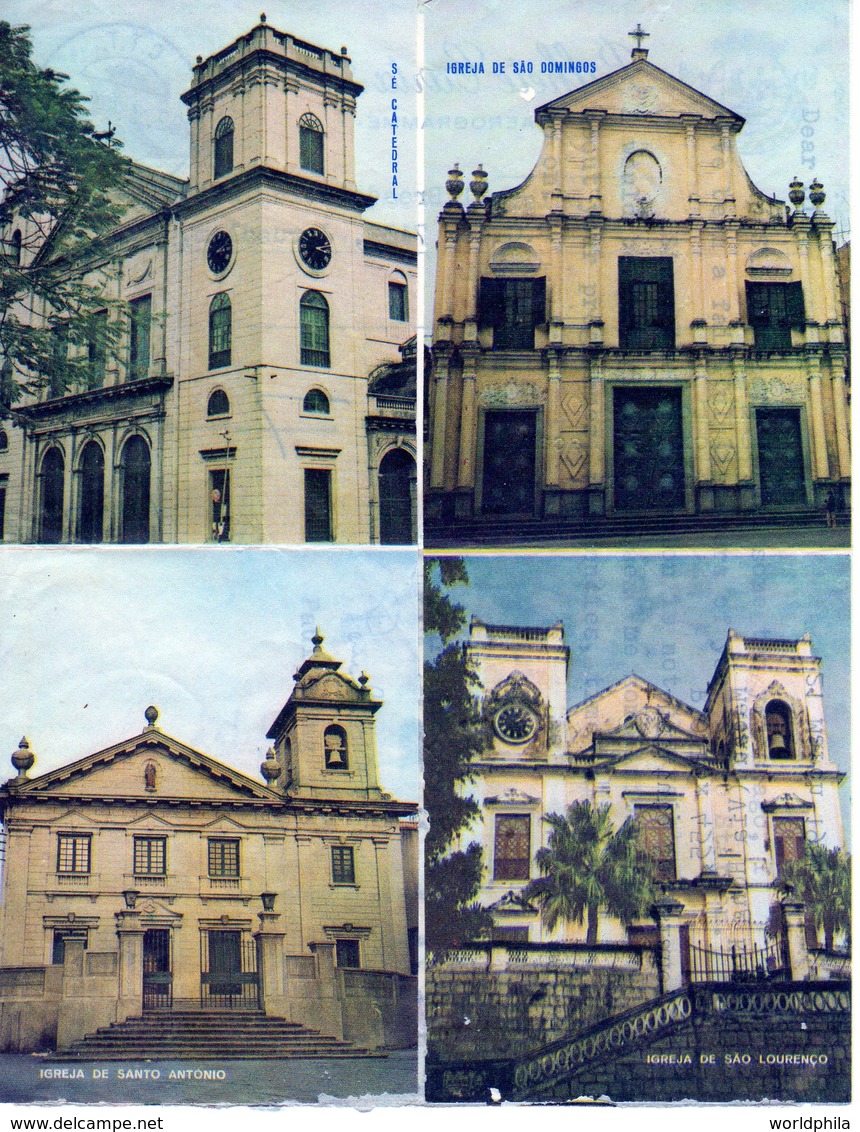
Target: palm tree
588, 865
821, 878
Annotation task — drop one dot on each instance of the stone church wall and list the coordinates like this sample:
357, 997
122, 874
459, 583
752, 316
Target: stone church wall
489, 1014
750, 1057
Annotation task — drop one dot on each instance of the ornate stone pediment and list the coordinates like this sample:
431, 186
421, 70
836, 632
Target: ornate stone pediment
513, 902
512, 797
786, 802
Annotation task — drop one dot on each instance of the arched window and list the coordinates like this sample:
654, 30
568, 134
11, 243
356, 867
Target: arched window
314, 330
135, 466
218, 404
311, 136
224, 147
4, 441
15, 252
315, 402
91, 505
220, 331
51, 496
336, 754
777, 719
397, 477
398, 298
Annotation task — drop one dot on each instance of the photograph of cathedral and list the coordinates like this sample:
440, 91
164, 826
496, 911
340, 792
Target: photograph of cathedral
634, 338
648, 850
160, 903
253, 376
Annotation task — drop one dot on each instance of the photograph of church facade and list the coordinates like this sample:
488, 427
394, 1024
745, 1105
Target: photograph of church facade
263, 389
635, 337
645, 865
158, 903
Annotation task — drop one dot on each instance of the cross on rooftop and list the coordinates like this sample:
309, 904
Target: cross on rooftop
640, 35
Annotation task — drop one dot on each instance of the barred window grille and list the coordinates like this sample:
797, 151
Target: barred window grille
220, 331
150, 856
512, 855
646, 303
223, 857
141, 320
342, 864
224, 147
73, 853
318, 524
311, 147
657, 839
314, 330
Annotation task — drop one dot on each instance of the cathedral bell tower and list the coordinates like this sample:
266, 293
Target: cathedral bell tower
324, 736
523, 675
269, 99
765, 704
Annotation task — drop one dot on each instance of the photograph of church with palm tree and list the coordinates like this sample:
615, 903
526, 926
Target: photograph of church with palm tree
657, 876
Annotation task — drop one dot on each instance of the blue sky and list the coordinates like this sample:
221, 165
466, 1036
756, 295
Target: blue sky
134, 60
211, 636
666, 617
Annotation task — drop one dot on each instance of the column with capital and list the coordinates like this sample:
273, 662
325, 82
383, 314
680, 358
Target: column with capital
130, 934
468, 421
820, 463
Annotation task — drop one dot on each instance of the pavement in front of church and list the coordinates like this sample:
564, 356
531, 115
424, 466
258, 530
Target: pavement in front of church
778, 538
359, 1082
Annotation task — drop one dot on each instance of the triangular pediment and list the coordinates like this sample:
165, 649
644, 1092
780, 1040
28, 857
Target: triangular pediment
328, 685
651, 723
643, 89
512, 797
150, 766
651, 760
633, 707
142, 192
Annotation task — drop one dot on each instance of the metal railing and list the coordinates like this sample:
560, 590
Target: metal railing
742, 962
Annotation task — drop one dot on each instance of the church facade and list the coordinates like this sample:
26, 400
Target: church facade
722, 796
148, 879
258, 307
635, 330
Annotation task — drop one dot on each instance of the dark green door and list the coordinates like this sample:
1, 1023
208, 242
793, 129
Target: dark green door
780, 458
225, 959
510, 451
648, 449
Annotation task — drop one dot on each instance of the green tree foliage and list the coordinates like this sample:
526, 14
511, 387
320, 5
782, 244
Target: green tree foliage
588, 865
57, 191
453, 736
821, 878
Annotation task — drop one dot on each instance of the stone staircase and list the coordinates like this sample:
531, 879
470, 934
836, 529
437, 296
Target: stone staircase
168, 1035
527, 531
714, 1042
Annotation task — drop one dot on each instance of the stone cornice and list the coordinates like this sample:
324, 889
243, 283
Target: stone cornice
264, 176
60, 406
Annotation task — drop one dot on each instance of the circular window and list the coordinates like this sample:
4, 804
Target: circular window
315, 249
219, 253
515, 723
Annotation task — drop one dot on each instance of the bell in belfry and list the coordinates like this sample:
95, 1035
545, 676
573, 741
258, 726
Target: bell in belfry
335, 748
776, 734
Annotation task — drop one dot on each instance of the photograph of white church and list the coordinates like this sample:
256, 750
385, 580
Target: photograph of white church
647, 848
258, 385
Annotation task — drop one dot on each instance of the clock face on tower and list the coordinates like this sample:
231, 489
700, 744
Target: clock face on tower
219, 253
515, 723
315, 249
